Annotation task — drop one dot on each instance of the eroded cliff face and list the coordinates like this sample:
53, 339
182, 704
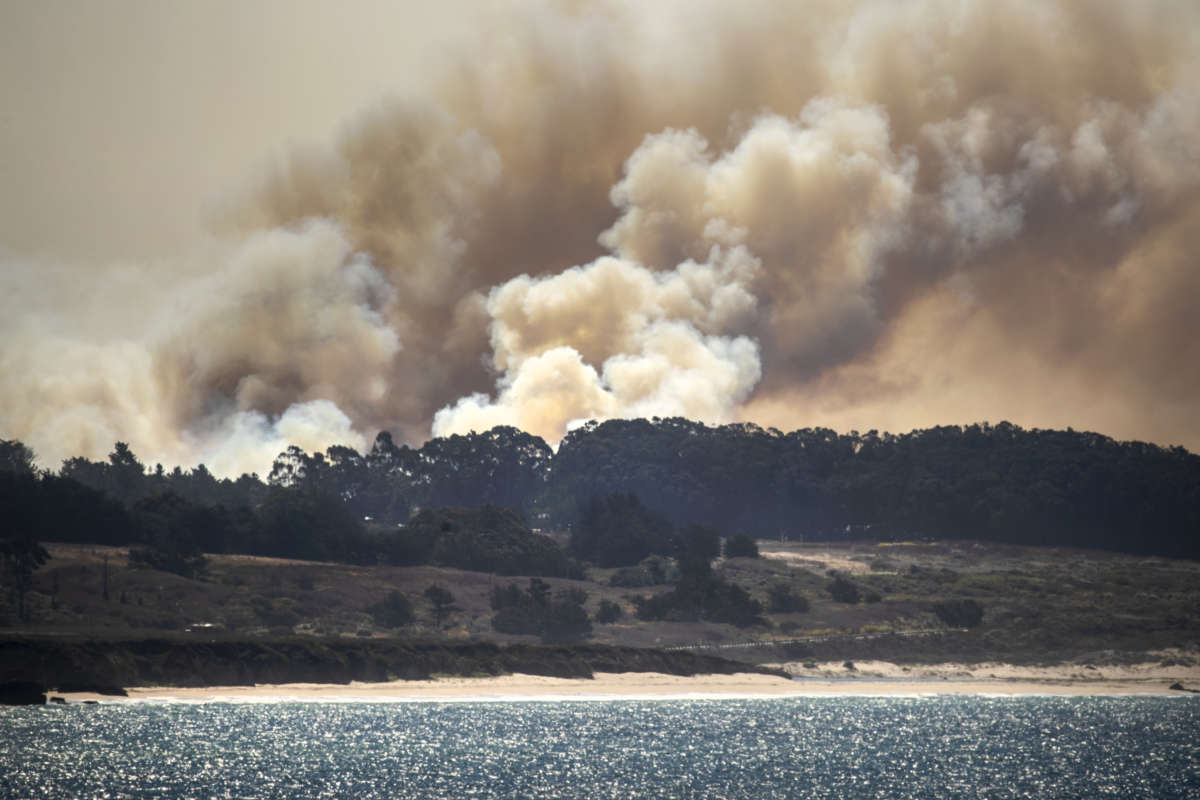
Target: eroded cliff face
105, 665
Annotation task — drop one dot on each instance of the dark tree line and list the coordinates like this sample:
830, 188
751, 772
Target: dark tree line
993, 482
627, 489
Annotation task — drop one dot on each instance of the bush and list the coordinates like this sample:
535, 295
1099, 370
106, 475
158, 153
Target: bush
566, 620
652, 571
700, 595
532, 612
394, 611
519, 620
741, 546
843, 591
959, 613
608, 613
169, 559
782, 600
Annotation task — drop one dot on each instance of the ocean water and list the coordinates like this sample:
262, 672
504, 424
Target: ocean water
826, 747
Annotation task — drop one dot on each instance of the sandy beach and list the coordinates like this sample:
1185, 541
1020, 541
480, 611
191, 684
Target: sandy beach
867, 679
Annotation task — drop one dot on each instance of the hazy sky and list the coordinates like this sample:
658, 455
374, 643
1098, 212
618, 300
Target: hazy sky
126, 121
229, 226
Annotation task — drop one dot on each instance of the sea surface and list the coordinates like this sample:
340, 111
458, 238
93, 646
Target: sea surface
819, 747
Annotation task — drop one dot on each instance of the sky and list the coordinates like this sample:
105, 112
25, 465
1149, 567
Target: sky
228, 227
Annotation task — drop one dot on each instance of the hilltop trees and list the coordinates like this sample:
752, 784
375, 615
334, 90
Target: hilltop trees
629, 489
996, 482
16, 458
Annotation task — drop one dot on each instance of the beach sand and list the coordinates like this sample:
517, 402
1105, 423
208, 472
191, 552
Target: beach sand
867, 679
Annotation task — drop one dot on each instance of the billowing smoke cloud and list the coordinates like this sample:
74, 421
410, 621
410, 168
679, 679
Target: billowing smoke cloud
616, 339
870, 215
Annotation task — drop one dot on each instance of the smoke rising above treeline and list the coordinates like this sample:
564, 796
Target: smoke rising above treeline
869, 215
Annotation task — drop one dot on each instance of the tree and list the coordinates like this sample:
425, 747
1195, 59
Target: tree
843, 591
442, 601
533, 612
741, 546
487, 539
128, 475
783, 600
520, 612
701, 595
16, 457
702, 540
172, 529
967, 613
566, 619
617, 530
313, 525
608, 612
22, 557
394, 611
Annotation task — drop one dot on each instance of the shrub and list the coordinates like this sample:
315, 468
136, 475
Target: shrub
176, 560
782, 600
652, 571
703, 597
608, 613
566, 620
394, 611
959, 613
532, 612
843, 591
741, 546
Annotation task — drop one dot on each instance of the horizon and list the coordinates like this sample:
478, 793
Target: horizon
151, 468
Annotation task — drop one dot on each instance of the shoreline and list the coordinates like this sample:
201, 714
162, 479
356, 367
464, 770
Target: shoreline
651, 685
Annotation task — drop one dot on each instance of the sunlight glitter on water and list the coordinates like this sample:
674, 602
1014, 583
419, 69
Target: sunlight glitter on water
938, 747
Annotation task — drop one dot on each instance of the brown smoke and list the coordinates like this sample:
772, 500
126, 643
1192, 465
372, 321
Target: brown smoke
877, 215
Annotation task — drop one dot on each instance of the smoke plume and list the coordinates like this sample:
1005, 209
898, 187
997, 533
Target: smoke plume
870, 215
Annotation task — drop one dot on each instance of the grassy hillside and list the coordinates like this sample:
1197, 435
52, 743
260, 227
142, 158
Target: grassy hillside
1039, 604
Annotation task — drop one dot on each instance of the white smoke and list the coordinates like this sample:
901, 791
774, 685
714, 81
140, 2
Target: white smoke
214, 376
613, 339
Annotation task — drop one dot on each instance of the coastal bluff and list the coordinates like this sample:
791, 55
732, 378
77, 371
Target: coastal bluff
108, 665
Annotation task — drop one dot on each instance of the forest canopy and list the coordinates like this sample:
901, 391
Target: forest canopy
626, 489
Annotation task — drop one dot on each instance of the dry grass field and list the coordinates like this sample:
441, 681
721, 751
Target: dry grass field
1039, 604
